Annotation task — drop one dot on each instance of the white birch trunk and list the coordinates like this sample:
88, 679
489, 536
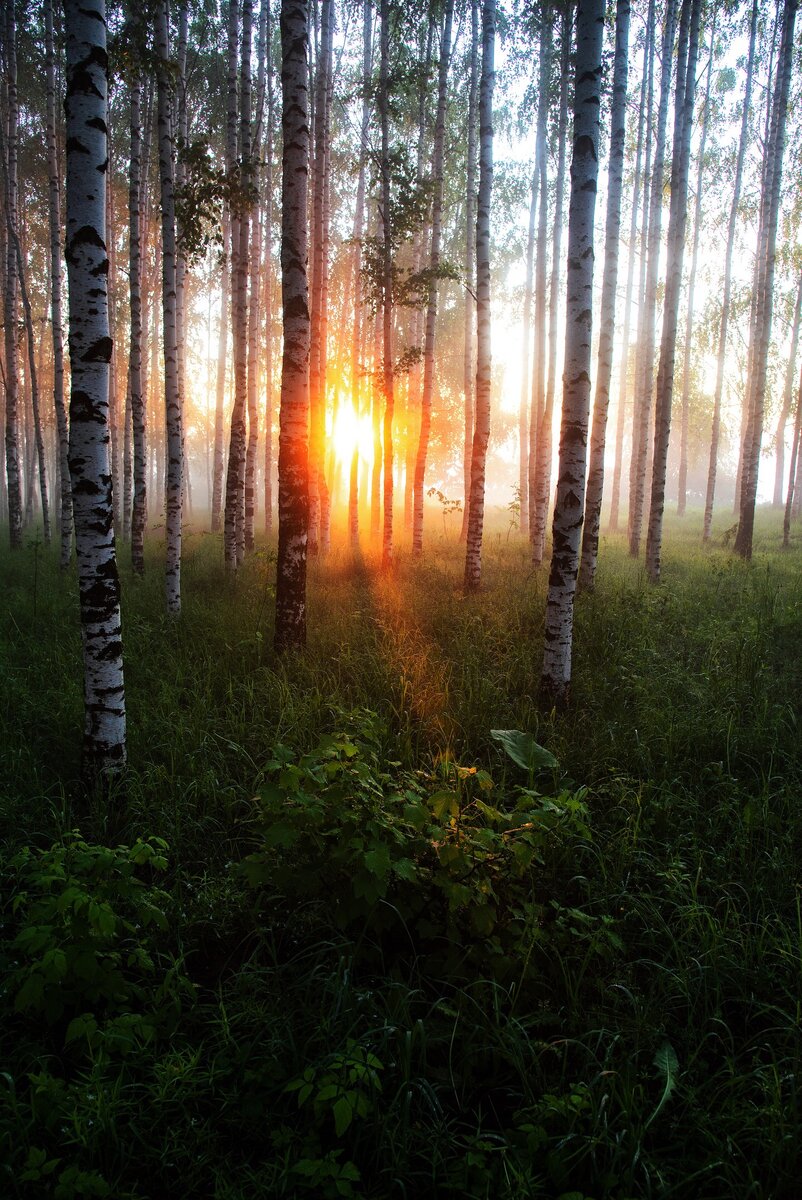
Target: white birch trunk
172, 397
683, 123
604, 370
473, 541
293, 485
569, 506
90, 354
11, 382
56, 320
715, 432
434, 266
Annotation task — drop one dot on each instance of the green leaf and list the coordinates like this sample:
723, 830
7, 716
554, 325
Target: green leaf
378, 861
524, 750
667, 1064
343, 1112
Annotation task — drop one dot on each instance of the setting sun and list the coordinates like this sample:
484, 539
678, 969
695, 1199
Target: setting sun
347, 430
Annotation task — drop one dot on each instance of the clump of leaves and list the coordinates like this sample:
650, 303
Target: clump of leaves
86, 924
442, 851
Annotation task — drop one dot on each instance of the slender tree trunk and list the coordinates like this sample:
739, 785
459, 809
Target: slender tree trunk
11, 381
678, 215
90, 353
469, 353
618, 116
356, 266
523, 410
220, 383
615, 497
765, 295
434, 267
727, 290
268, 481
293, 468
135, 390
234, 536
318, 361
682, 480
473, 548
54, 196
646, 341
172, 394
569, 507
39, 443
387, 288
785, 412
538, 403
792, 483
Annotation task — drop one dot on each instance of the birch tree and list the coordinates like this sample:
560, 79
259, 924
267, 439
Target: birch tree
387, 285
726, 297
56, 320
555, 679
473, 546
770, 206
293, 466
468, 350
90, 354
683, 122
434, 268
788, 392
642, 423
618, 116
172, 396
10, 296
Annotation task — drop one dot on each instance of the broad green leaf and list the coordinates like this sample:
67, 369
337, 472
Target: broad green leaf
343, 1112
524, 750
378, 861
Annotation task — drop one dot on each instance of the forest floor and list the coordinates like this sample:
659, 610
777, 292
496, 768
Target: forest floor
332, 937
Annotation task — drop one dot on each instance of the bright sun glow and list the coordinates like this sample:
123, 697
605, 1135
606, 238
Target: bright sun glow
347, 431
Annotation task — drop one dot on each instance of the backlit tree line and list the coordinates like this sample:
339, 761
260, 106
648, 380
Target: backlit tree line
278, 220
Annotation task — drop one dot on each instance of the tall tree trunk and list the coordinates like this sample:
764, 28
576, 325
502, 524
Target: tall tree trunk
13, 472
523, 408
792, 473
254, 311
677, 221
172, 394
181, 125
38, 439
555, 679
268, 480
727, 291
90, 353
765, 296
788, 391
539, 361
293, 467
682, 480
647, 331
356, 266
234, 536
220, 383
54, 197
604, 370
615, 496
468, 352
545, 433
473, 547
434, 267
317, 353
135, 390
387, 287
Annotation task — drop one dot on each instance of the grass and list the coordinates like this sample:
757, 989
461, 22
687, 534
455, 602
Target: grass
626, 1021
